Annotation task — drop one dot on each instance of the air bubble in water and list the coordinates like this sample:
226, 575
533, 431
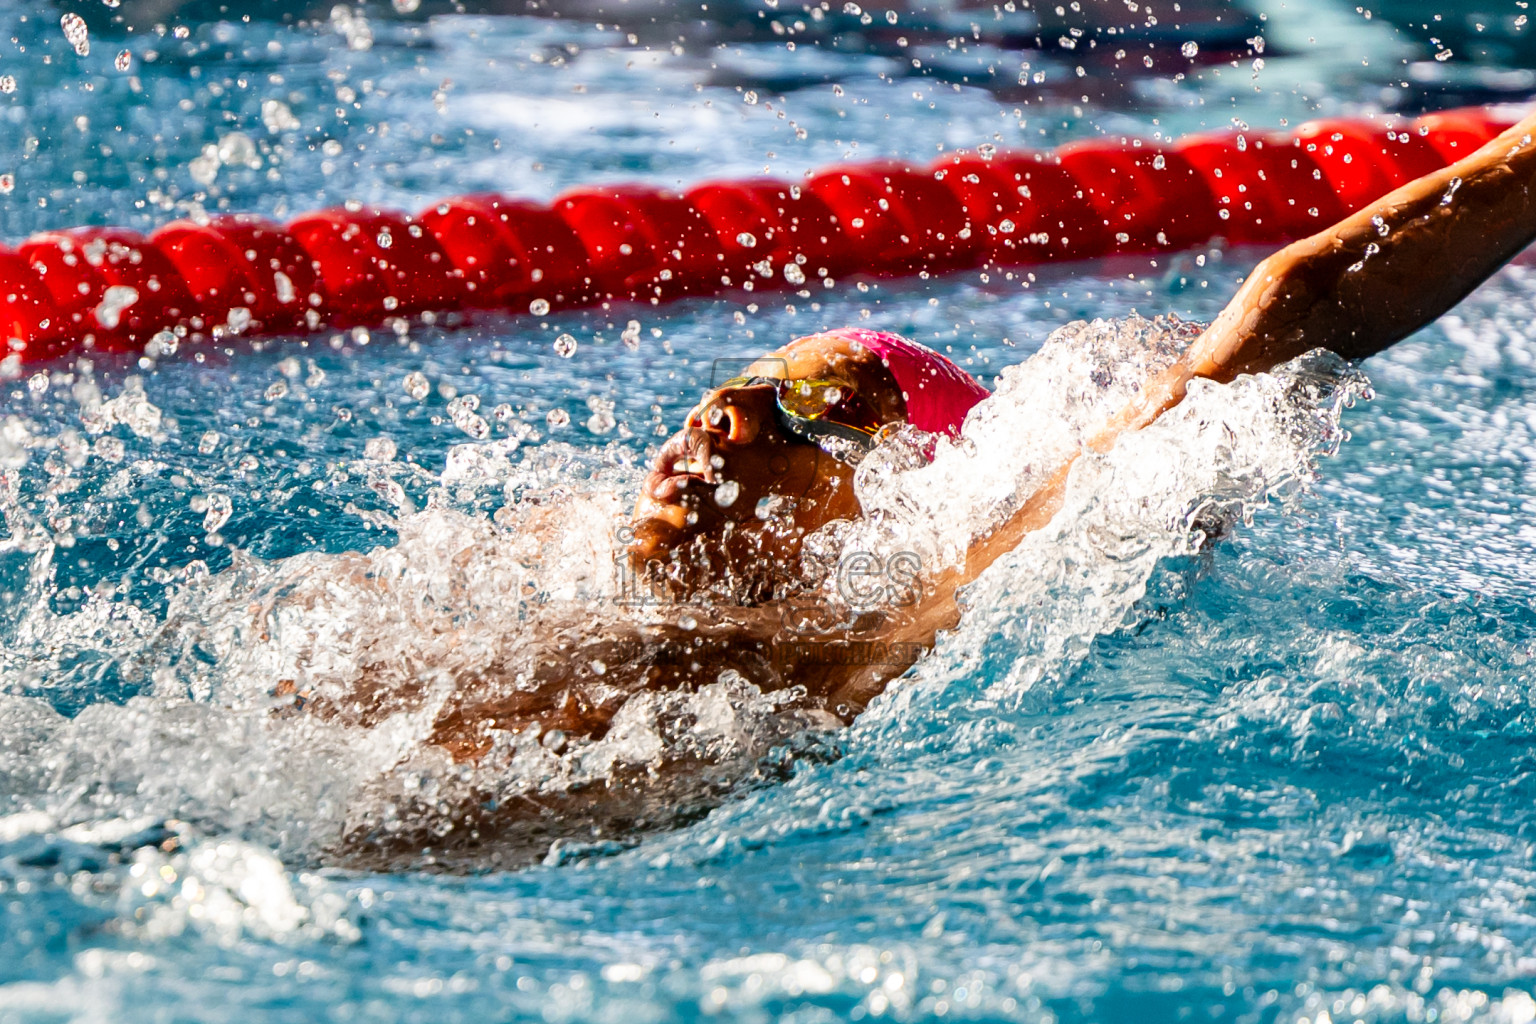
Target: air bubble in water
1158, 163
277, 390
631, 335
282, 284
746, 239
557, 418
385, 239
219, 510
7, 183
727, 493
116, 299
407, 6
793, 274
209, 442
565, 346
239, 320
76, 33
417, 385
124, 60
539, 307
1190, 48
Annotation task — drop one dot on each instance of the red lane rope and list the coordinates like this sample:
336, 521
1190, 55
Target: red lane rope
113, 290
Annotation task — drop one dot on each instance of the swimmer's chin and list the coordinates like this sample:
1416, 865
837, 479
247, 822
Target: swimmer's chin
657, 529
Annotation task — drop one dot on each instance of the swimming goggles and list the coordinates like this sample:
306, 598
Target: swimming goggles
827, 413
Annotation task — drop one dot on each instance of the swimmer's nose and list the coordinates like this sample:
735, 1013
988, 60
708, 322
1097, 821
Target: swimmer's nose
726, 417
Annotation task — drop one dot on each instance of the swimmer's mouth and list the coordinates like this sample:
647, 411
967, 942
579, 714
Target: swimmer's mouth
681, 461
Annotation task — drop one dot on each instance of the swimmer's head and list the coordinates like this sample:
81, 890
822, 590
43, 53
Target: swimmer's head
768, 457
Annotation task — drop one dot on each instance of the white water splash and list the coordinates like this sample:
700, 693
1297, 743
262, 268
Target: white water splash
389, 635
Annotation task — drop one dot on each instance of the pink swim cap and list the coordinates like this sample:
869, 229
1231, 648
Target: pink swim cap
938, 392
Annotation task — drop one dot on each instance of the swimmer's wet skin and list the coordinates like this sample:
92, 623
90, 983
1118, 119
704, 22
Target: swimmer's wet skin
767, 459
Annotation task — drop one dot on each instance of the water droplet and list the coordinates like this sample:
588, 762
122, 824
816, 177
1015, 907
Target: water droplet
601, 421
1443, 56
416, 385
1147, 61
1158, 163
219, 510
539, 307
237, 149
727, 493
793, 274
565, 346
385, 239
750, 98
164, 343
7, 183
557, 418
986, 150
282, 285
109, 448
381, 449
462, 411
279, 389
747, 239
407, 6
1190, 48
124, 60
209, 442
76, 33
277, 116
631, 335
7, 83
114, 301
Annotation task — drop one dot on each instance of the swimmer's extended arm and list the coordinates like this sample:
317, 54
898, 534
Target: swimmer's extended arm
1370, 280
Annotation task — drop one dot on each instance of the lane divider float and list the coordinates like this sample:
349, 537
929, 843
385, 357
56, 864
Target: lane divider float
109, 289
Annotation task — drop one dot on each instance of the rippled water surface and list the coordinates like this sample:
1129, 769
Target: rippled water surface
1283, 775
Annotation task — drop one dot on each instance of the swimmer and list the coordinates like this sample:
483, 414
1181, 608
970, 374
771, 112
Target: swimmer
768, 457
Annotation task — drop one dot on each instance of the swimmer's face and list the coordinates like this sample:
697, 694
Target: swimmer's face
733, 493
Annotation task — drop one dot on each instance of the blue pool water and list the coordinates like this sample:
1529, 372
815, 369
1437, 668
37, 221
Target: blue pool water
1287, 777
